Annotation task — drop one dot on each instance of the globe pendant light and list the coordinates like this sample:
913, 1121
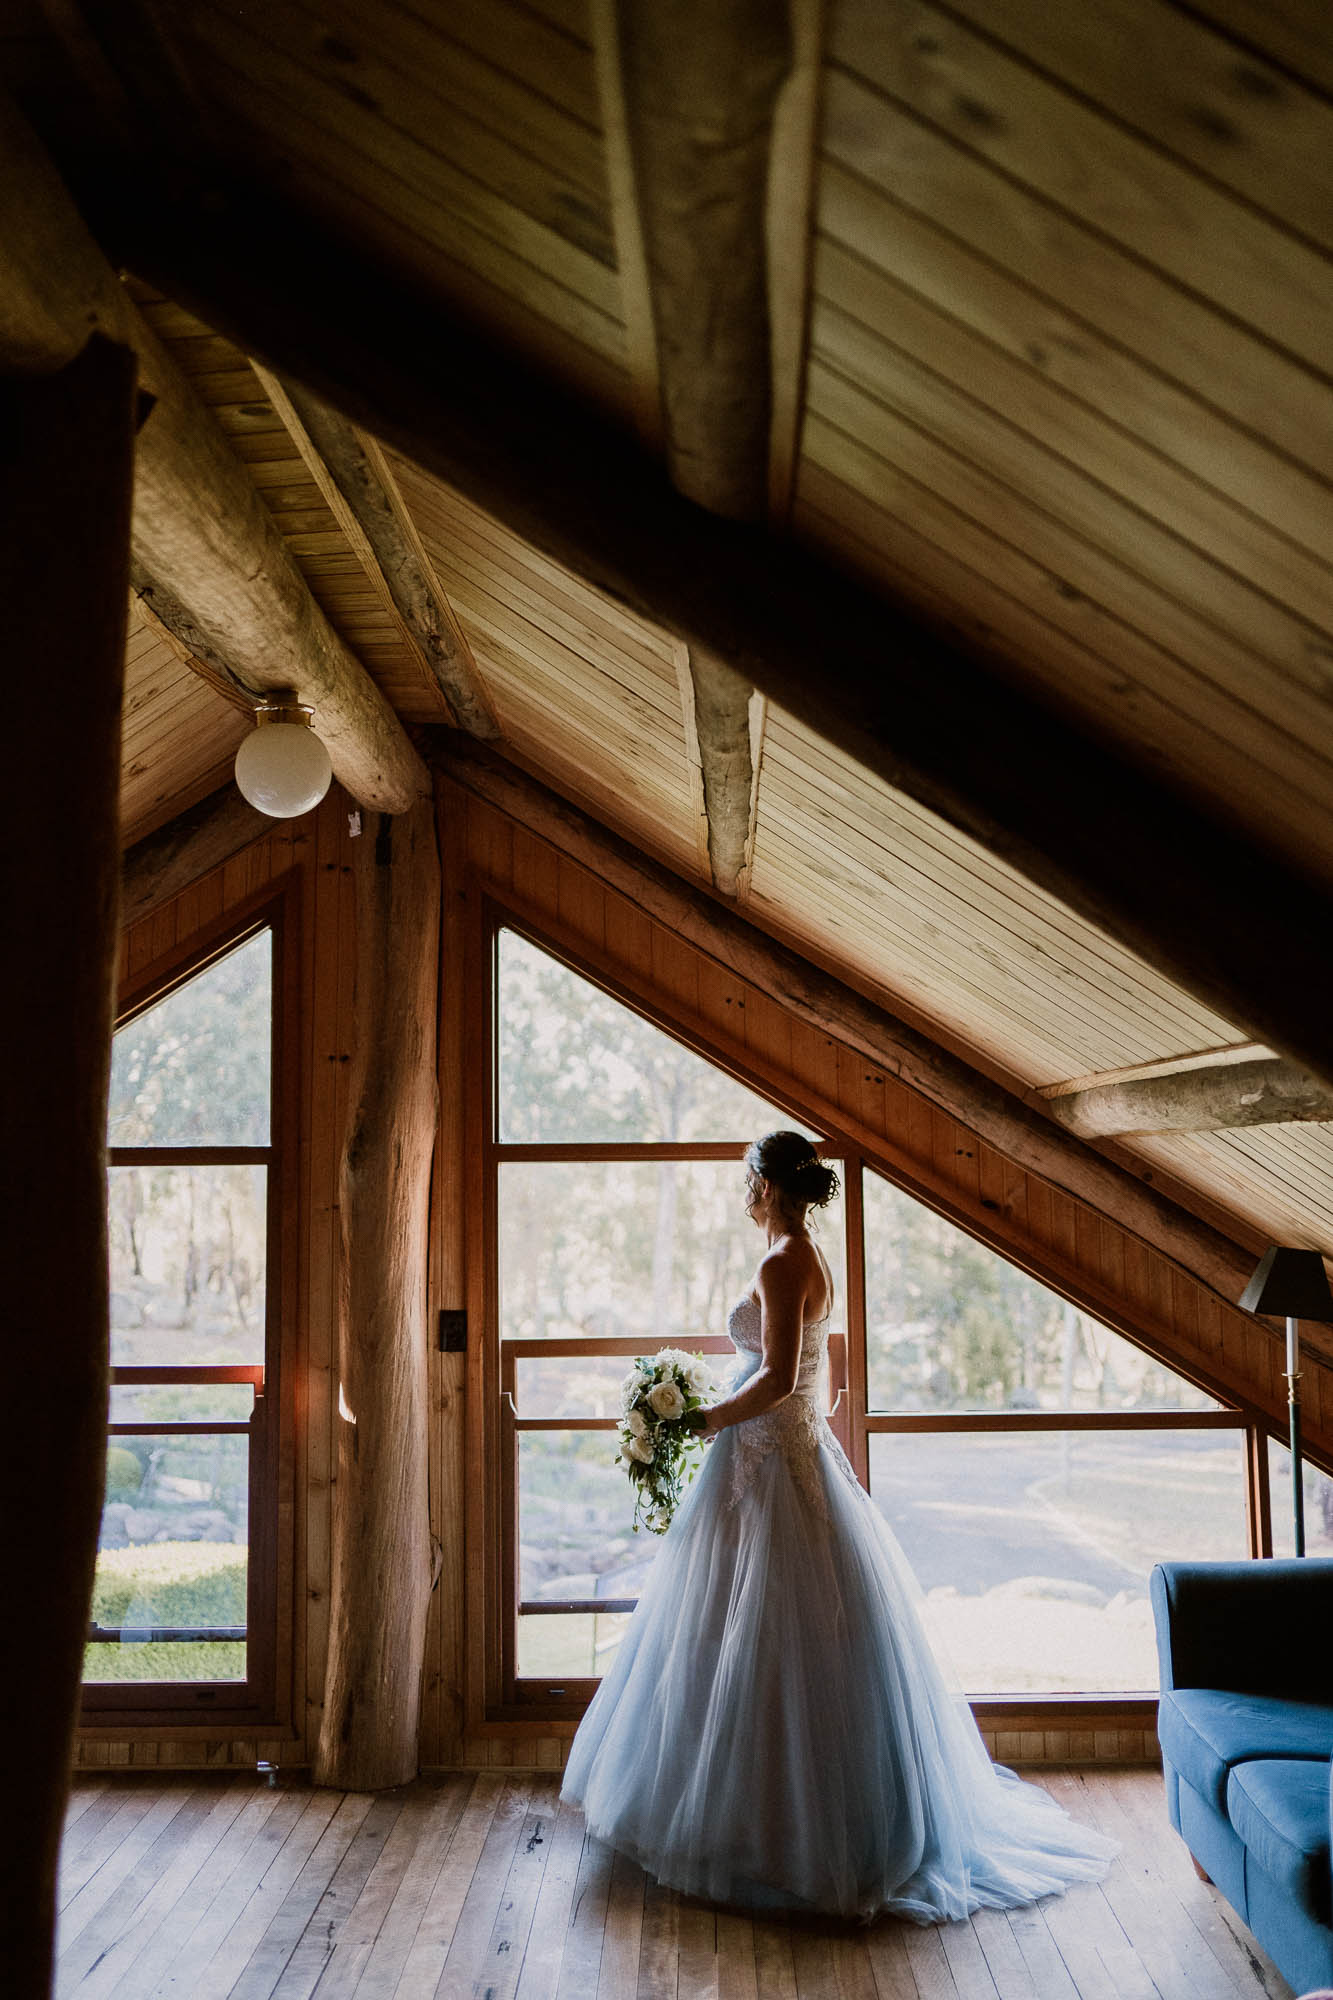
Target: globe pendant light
282, 767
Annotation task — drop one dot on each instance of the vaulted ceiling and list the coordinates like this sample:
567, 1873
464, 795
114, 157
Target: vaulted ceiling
1046, 366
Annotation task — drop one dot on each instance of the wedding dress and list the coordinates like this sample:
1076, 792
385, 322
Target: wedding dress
774, 1731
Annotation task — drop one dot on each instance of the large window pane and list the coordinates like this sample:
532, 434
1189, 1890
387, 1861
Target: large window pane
172, 1559
569, 1645
187, 1264
194, 1070
576, 1543
1317, 1488
1034, 1549
951, 1325
657, 1250
577, 1066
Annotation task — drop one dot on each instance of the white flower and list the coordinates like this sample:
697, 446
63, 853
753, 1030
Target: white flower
634, 1384
659, 1521
641, 1449
698, 1375
636, 1424
666, 1400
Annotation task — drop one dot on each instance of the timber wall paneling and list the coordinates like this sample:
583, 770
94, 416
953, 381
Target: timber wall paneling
315, 847
1061, 1240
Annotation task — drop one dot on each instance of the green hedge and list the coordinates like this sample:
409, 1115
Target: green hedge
222, 1660
170, 1583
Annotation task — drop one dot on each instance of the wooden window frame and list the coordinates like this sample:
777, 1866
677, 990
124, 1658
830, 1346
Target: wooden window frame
496, 1702
264, 1700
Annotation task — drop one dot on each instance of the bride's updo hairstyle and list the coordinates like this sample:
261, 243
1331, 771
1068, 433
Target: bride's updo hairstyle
790, 1163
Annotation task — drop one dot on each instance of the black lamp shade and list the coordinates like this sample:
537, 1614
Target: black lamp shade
1290, 1284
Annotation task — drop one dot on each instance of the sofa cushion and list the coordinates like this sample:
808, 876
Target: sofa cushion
1205, 1731
1279, 1807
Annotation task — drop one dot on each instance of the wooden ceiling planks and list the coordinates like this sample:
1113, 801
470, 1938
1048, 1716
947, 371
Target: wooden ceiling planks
584, 691
1279, 1178
954, 931
177, 735
463, 143
1066, 382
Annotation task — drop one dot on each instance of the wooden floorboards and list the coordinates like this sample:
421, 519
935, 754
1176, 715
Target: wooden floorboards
194, 1888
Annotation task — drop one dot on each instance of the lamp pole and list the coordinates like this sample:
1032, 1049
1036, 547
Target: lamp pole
1294, 1417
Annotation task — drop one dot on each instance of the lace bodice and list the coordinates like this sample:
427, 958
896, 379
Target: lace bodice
796, 1427
745, 1330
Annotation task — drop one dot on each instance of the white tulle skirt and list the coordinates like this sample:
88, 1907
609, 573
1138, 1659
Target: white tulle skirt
775, 1732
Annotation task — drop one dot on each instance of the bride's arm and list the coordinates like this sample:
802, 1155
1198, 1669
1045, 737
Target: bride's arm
782, 1299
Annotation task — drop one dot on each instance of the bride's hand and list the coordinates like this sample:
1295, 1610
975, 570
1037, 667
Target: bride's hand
699, 1422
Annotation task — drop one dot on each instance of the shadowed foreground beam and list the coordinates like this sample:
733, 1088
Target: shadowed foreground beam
381, 1534
68, 452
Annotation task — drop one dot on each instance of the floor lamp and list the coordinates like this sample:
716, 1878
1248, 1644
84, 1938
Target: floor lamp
1292, 1285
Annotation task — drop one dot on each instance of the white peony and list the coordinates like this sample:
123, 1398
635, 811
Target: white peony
666, 1400
636, 1424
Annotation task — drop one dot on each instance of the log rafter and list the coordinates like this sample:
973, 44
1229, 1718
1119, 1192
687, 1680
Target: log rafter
210, 559
174, 857
358, 483
696, 88
722, 701
1211, 1099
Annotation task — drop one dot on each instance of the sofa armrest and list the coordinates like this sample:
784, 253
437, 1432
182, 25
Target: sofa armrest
1253, 1627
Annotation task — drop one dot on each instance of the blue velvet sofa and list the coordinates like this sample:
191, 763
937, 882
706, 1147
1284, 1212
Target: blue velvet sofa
1246, 1728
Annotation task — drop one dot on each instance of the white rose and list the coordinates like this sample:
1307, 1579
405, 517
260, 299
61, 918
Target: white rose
666, 1400
641, 1449
633, 1385
636, 1424
698, 1376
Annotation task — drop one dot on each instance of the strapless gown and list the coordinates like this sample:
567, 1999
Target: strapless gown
775, 1732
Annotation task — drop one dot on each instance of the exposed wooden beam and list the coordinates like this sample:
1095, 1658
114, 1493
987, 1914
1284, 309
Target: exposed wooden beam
1016, 1129
173, 858
721, 700
65, 474
1211, 1099
1241, 929
358, 483
200, 531
382, 1561
1223, 1056
790, 242
698, 87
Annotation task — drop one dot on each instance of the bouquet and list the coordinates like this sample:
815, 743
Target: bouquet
658, 1447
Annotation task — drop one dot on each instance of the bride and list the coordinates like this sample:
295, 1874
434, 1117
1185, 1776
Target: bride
774, 1731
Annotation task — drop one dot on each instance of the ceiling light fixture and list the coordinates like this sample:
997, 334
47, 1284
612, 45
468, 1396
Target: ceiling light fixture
282, 767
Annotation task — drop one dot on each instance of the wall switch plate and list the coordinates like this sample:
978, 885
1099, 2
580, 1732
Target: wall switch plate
453, 1332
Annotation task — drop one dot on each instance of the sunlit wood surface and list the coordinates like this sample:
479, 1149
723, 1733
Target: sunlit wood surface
221, 1889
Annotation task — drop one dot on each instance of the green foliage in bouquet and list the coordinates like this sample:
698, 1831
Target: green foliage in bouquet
659, 1446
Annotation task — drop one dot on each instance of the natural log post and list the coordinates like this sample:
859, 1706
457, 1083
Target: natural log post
1022, 1133
357, 481
381, 1530
1235, 924
163, 863
700, 83
64, 570
722, 700
1197, 1100
229, 589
